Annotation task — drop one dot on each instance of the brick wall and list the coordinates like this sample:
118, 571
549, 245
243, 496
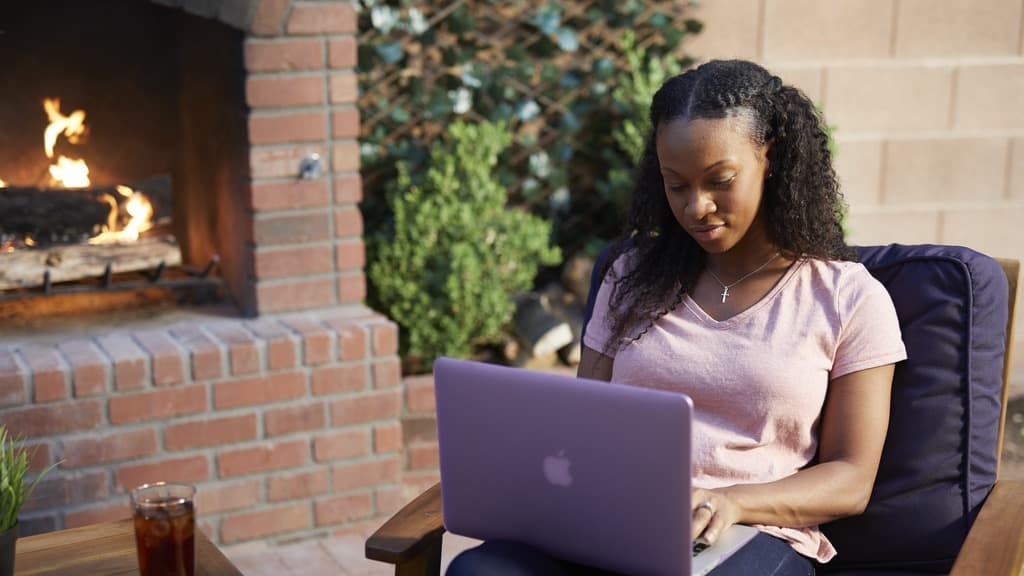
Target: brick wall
288, 426
926, 98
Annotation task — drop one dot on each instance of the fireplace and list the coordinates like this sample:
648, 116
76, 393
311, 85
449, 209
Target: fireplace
142, 107
283, 405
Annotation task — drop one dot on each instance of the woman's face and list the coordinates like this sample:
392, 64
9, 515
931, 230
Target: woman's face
714, 180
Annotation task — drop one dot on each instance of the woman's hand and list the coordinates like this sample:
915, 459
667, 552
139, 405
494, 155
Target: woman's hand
713, 512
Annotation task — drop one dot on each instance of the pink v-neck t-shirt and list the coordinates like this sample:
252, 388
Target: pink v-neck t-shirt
758, 379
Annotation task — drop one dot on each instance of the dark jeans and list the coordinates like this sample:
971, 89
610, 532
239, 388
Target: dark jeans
763, 556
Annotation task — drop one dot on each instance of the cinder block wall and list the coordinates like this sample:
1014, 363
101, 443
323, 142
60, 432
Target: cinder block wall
927, 101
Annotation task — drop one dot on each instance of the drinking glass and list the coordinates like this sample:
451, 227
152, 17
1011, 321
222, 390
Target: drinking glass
165, 523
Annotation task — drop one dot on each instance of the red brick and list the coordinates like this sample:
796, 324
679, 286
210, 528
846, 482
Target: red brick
13, 380
322, 18
129, 360
348, 221
300, 260
366, 408
317, 341
293, 229
344, 90
385, 338
345, 156
423, 456
58, 490
351, 288
343, 53
338, 379
284, 91
348, 189
168, 359
96, 514
280, 55
289, 454
280, 342
280, 161
211, 432
54, 419
367, 474
157, 404
352, 342
295, 295
40, 456
389, 499
419, 394
350, 255
188, 470
341, 509
206, 354
387, 373
49, 374
225, 497
243, 348
343, 445
296, 486
32, 524
126, 445
286, 128
418, 481
270, 17
253, 525
291, 419
387, 438
88, 367
260, 390
289, 195
345, 123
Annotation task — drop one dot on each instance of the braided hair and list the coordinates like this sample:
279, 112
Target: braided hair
801, 202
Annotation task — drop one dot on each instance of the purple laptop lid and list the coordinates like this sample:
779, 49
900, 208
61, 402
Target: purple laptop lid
592, 472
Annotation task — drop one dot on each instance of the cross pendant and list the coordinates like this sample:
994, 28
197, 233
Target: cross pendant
725, 293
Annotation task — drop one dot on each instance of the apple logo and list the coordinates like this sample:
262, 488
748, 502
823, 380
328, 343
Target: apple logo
556, 470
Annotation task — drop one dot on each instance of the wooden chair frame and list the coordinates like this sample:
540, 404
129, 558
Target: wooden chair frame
411, 539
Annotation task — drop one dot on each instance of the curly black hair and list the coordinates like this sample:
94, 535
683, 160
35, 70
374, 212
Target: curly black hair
801, 203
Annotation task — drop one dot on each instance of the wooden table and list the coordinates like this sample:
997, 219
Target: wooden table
105, 549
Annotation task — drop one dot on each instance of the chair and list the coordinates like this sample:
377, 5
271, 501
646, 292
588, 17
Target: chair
936, 505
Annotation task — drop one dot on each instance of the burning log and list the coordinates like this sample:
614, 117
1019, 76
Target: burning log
52, 216
28, 268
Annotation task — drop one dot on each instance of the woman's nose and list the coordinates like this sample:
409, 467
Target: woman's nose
700, 205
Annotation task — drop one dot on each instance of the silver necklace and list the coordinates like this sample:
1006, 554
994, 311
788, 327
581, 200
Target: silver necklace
725, 287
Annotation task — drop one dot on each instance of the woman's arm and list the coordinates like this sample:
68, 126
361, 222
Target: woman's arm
594, 365
853, 429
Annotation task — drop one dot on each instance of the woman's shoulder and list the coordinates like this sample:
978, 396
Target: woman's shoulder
842, 276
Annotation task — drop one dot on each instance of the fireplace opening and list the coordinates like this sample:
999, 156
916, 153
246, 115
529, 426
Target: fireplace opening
123, 160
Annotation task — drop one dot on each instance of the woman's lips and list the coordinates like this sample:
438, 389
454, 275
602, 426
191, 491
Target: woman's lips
707, 233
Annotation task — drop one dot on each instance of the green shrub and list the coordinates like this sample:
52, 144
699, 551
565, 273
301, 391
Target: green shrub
14, 491
446, 266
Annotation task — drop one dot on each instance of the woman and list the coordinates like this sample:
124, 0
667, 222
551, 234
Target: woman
734, 285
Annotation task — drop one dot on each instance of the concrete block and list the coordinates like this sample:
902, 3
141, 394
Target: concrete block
858, 165
1016, 184
868, 226
957, 27
901, 97
731, 30
989, 97
807, 78
994, 230
803, 30
945, 170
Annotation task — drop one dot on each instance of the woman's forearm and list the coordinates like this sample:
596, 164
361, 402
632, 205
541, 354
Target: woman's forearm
818, 494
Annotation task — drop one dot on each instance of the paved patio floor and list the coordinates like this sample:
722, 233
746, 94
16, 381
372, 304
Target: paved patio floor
338, 556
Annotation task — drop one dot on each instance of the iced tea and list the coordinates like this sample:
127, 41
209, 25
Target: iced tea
165, 524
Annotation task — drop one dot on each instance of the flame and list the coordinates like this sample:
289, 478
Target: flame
67, 172
139, 208
3, 184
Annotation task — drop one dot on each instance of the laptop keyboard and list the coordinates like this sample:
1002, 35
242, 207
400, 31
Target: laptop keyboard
699, 547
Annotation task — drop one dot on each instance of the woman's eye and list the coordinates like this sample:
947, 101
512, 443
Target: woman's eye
723, 183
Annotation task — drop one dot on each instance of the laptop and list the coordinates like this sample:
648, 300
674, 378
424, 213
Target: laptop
591, 472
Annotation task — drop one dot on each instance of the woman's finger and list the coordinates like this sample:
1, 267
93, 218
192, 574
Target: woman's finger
714, 528
702, 516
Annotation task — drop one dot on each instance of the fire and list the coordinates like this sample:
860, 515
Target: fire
66, 172
3, 184
139, 209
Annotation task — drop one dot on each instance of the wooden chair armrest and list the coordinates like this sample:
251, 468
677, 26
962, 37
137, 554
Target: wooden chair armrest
411, 539
995, 544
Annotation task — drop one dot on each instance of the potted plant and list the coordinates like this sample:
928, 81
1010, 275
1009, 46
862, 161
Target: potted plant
14, 463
